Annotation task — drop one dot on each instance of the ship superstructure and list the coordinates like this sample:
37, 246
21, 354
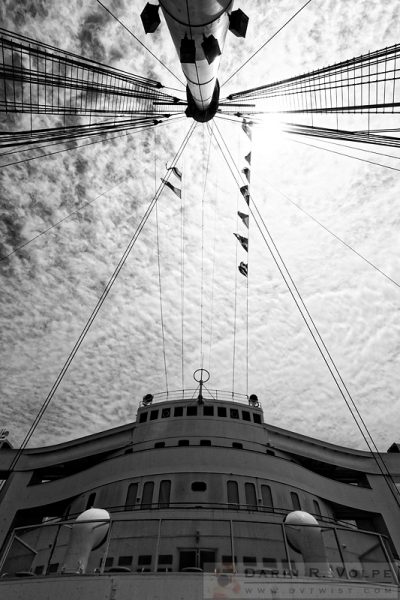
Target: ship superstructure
195, 489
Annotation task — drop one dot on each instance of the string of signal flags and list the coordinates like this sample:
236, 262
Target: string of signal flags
244, 190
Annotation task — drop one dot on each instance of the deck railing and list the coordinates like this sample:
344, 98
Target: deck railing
150, 544
193, 394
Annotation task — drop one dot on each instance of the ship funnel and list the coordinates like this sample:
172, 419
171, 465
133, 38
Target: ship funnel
87, 534
305, 536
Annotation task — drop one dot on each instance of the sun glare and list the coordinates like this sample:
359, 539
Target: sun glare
267, 134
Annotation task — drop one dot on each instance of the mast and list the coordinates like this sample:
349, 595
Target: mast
198, 30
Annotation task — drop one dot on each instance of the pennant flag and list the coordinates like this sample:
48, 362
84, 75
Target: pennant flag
246, 172
244, 217
243, 240
243, 269
246, 126
176, 172
244, 190
248, 158
176, 190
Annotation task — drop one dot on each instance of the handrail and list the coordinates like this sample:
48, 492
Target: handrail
387, 561
191, 394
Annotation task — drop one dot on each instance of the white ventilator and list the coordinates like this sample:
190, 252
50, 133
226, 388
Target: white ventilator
305, 536
87, 533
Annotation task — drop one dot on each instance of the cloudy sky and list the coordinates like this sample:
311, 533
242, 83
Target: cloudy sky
49, 289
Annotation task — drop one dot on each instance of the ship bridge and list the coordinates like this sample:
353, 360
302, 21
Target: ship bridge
197, 486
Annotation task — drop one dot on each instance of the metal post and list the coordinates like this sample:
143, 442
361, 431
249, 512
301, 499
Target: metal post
7, 550
285, 542
232, 545
52, 549
386, 553
107, 547
341, 553
157, 545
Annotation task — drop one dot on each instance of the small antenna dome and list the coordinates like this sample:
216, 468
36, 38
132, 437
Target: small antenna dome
148, 399
253, 400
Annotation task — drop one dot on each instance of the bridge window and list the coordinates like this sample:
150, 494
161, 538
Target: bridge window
205, 442
266, 496
238, 445
295, 501
251, 498
144, 560
249, 560
159, 445
191, 411
208, 411
257, 418
317, 508
131, 496
221, 411
245, 415
165, 413
91, 501
164, 493
233, 492
153, 415
178, 411
147, 495
143, 417
183, 443
234, 413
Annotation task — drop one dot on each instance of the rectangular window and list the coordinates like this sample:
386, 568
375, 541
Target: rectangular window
125, 561
237, 445
164, 493
270, 562
109, 562
234, 413
221, 411
159, 445
178, 411
165, 559
251, 498
249, 560
191, 411
153, 415
147, 495
266, 496
205, 442
233, 493
143, 417
183, 442
317, 508
53, 568
257, 418
208, 411
165, 413
131, 496
245, 415
39, 570
144, 560
295, 501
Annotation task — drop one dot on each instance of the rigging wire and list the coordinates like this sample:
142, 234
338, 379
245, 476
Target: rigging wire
335, 236
314, 331
183, 191
267, 42
205, 171
139, 42
99, 304
371, 162
104, 139
159, 264
213, 271
74, 212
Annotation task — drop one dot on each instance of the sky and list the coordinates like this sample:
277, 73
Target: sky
48, 289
